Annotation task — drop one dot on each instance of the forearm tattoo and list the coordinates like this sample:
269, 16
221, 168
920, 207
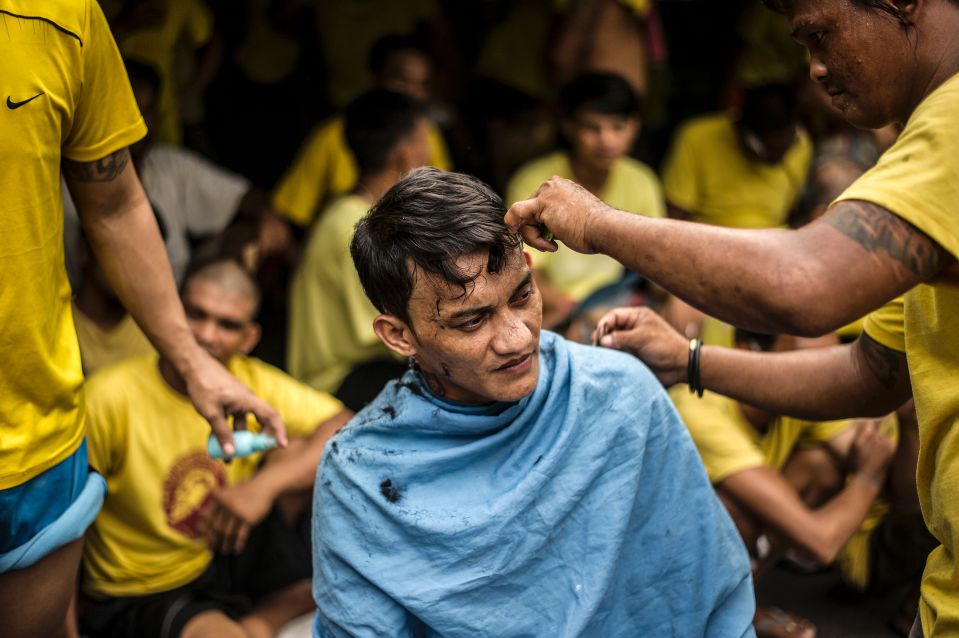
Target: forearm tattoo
105, 169
886, 364
879, 231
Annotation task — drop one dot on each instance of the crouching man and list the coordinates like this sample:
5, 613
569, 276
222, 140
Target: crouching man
511, 483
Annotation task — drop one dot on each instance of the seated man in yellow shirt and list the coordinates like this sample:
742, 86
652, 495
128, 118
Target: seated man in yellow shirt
332, 346
600, 122
743, 170
186, 545
325, 166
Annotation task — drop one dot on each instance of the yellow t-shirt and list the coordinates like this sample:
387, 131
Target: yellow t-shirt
150, 444
324, 168
729, 444
709, 175
632, 186
70, 97
99, 347
918, 180
331, 318
186, 21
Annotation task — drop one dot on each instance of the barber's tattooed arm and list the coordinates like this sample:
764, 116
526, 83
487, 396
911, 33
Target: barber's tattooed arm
879, 231
105, 169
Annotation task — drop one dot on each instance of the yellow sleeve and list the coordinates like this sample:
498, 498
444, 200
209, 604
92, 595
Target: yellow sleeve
301, 407
323, 168
680, 180
918, 177
439, 154
725, 447
105, 117
887, 325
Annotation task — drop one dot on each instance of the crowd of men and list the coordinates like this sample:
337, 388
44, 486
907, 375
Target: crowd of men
485, 438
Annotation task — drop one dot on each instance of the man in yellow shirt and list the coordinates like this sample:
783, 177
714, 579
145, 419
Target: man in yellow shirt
600, 122
69, 107
743, 170
894, 230
149, 558
325, 167
332, 346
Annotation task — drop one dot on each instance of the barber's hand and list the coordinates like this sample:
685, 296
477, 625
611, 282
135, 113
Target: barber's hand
231, 514
644, 334
217, 394
561, 207
871, 453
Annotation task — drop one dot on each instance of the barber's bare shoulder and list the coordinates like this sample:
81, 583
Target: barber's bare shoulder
105, 169
881, 232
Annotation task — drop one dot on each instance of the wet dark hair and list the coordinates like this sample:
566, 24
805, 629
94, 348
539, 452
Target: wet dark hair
142, 72
769, 107
375, 122
425, 222
605, 93
388, 45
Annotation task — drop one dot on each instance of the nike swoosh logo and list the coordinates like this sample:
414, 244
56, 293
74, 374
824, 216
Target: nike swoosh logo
15, 105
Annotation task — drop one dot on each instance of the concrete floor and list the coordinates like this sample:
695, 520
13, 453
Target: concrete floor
809, 596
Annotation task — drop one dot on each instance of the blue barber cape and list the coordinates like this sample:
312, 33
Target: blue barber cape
582, 510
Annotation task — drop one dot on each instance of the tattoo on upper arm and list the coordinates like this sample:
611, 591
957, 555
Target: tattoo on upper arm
886, 364
877, 230
105, 169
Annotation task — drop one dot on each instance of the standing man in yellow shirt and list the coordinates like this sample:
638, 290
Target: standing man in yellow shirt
743, 170
893, 231
332, 346
600, 122
69, 107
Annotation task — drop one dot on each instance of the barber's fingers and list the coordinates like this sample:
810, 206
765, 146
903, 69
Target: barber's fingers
269, 418
524, 216
615, 320
222, 430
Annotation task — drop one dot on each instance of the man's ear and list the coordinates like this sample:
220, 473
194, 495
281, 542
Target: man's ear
528, 258
395, 334
251, 338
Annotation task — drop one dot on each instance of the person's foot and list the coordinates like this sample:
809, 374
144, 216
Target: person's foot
771, 622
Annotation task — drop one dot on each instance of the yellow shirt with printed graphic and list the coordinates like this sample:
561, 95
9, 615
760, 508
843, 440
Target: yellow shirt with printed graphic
149, 442
918, 180
67, 96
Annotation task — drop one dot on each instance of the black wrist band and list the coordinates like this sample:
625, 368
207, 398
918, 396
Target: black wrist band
692, 368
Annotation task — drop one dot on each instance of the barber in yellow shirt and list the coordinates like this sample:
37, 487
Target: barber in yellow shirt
894, 230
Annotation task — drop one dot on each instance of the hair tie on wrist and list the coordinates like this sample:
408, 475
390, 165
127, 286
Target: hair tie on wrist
692, 368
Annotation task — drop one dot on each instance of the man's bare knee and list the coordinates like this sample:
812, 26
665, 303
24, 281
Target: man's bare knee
212, 624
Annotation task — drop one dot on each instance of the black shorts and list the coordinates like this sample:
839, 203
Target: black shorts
276, 556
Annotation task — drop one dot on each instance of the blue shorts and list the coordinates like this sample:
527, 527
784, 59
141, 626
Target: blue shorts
48, 511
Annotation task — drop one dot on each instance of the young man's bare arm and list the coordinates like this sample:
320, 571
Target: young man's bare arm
805, 282
860, 379
123, 233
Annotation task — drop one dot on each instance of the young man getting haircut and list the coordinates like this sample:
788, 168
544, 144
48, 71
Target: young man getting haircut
147, 563
508, 483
